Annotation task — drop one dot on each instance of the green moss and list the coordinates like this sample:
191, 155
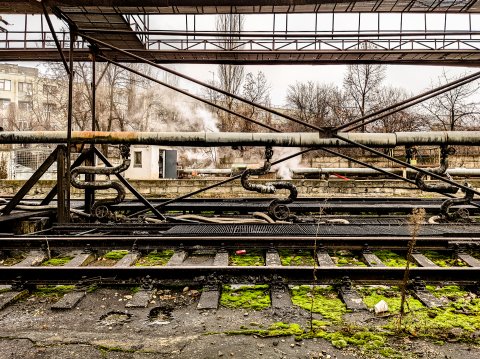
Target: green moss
256, 297
53, 291
299, 257
443, 260
449, 323
391, 295
325, 301
116, 255
368, 341
345, 258
252, 258
57, 262
155, 258
451, 292
392, 259
278, 329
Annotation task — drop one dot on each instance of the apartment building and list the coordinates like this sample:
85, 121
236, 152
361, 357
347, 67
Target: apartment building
27, 100
16, 95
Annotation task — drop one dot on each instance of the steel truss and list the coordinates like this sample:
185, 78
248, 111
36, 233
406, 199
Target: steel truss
102, 47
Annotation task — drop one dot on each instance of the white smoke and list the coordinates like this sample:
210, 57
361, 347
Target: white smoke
284, 169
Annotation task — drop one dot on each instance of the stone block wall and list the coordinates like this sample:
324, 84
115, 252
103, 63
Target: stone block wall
171, 188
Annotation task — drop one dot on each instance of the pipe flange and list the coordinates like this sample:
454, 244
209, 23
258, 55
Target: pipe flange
278, 211
102, 212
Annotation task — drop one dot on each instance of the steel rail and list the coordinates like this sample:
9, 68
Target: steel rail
193, 241
201, 274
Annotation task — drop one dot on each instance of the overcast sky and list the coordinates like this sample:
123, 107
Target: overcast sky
414, 79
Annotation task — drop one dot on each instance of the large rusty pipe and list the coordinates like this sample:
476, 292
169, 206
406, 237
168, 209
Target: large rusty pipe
213, 139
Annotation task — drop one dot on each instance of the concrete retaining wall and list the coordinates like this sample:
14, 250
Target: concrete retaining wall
174, 188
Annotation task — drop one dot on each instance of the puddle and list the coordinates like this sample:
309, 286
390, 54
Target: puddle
115, 318
160, 316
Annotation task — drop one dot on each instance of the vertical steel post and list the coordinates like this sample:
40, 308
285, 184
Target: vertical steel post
69, 123
62, 185
90, 160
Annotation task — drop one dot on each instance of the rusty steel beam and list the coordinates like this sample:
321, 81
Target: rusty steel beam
218, 139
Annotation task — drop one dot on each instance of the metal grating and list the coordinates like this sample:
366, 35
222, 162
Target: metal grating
317, 230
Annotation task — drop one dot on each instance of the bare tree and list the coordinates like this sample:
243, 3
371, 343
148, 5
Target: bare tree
456, 109
405, 120
361, 85
313, 103
255, 89
230, 77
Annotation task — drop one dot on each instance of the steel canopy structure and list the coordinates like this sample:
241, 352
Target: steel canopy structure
242, 6
125, 24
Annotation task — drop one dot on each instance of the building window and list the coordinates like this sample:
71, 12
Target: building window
25, 106
22, 125
49, 89
49, 108
4, 103
5, 85
137, 159
25, 87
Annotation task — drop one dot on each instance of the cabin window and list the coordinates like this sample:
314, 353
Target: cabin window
137, 159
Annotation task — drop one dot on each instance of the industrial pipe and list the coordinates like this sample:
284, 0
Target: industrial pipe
211, 139
369, 171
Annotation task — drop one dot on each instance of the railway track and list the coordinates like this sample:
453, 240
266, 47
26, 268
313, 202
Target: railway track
213, 261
